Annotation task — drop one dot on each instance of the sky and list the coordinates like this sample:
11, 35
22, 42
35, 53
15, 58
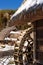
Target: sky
10, 4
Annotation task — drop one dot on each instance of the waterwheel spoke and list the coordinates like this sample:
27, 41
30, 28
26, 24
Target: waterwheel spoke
24, 52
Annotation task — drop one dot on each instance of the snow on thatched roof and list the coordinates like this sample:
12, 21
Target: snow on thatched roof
26, 5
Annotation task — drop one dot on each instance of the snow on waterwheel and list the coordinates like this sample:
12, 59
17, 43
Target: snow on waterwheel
24, 53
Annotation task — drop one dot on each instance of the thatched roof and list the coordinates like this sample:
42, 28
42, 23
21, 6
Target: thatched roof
27, 6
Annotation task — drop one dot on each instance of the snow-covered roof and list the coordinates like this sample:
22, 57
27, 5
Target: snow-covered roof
26, 5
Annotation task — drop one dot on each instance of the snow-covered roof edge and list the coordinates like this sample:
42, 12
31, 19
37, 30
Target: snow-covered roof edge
26, 6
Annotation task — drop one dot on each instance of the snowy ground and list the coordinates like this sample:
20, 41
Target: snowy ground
5, 60
3, 48
6, 47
